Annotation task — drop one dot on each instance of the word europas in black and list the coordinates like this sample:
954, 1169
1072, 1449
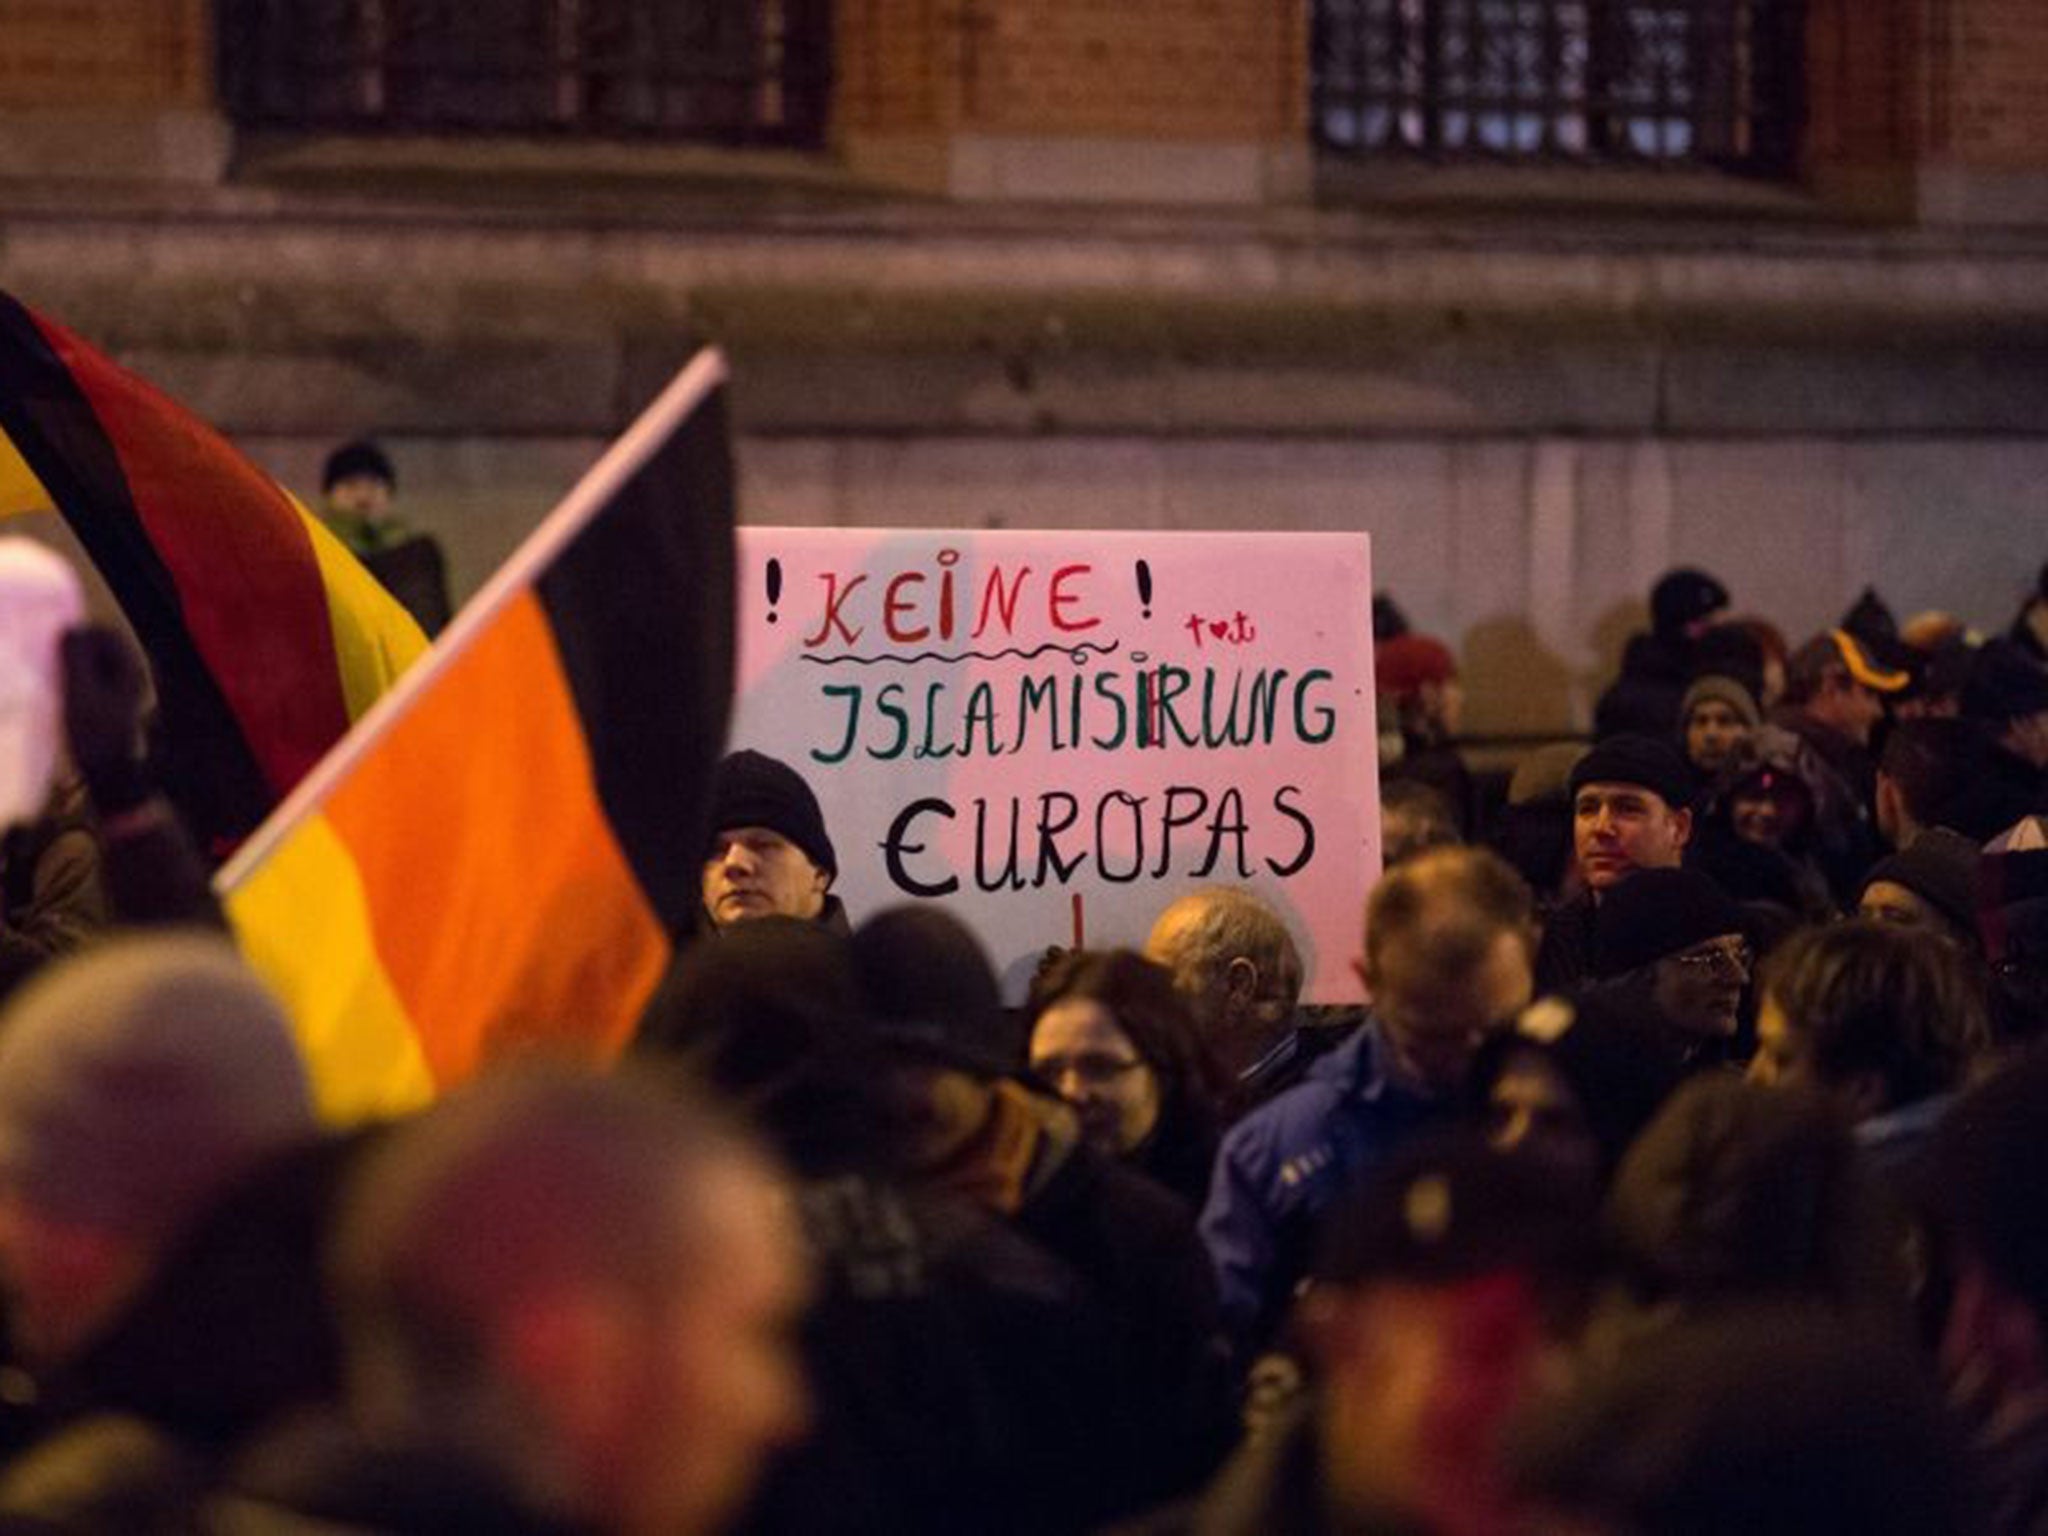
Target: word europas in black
1016, 848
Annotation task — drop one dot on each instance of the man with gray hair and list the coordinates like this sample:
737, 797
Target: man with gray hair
1236, 965
570, 1297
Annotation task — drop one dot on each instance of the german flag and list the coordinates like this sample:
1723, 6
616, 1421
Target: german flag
266, 638
503, 856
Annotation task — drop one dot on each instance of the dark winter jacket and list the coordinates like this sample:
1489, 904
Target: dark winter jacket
2002, 789
1136, 1247
962, 1377
1179, 1155
1564, 960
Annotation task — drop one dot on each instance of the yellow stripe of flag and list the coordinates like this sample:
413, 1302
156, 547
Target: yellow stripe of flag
20, 490
352, 1028
369, 649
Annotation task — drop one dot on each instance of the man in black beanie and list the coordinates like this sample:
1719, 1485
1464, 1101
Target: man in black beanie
1672, 940
769, 852
1631, 799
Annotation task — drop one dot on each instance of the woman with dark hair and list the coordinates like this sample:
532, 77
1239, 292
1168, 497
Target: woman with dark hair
1111, 1037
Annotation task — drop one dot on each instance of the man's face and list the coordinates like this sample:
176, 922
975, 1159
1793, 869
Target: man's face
721, 1380
755, 872
1618, 829
366, 496
1700, 988
1432, 1024
1848, 706
1712, 733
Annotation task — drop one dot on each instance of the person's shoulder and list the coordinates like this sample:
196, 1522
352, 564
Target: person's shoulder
1276, 1126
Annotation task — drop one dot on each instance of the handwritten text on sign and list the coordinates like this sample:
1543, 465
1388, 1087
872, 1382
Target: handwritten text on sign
1040, 727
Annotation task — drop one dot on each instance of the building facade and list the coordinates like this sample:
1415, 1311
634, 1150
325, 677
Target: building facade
1545, 294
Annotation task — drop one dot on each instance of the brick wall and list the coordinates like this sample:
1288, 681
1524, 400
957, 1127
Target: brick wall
897, 65
1180, 70
1158, 69
1956, 82
104, 55
1864, 63
1990, 85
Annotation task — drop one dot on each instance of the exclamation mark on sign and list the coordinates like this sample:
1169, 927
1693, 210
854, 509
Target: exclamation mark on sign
1145, 587
774, 586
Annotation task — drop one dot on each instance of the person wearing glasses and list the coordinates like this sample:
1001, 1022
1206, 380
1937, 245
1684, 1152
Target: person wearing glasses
1672, 944
1111, 1036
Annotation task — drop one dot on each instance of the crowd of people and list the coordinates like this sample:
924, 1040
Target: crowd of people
1683, 1172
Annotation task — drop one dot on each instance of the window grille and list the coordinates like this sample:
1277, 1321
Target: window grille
1656, 83
731, 71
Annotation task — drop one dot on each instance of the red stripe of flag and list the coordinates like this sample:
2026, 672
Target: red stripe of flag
236, 549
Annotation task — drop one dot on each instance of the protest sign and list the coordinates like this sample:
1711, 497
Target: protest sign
1054, 734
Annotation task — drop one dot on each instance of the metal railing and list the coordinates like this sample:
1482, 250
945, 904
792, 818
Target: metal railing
1657, 83
724, 71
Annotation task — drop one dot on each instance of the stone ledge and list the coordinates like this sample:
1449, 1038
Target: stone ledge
130, 147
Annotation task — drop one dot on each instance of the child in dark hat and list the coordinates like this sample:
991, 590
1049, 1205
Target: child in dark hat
357, 485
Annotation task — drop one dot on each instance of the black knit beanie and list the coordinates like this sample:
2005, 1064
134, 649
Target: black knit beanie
1940, 867
1683, 597
361, 457
1648, 761
752, 789
1658, 912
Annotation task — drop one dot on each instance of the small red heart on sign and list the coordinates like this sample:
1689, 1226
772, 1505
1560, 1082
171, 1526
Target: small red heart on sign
1219, 628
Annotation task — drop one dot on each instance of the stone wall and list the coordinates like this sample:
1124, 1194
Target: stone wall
104, 56
1531, 424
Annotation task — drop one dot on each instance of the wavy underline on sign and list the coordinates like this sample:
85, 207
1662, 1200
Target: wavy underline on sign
1078, 653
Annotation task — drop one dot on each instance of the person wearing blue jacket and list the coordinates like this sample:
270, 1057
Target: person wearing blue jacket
1448, 952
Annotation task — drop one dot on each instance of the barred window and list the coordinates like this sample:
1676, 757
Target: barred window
1657, 82
739, 71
